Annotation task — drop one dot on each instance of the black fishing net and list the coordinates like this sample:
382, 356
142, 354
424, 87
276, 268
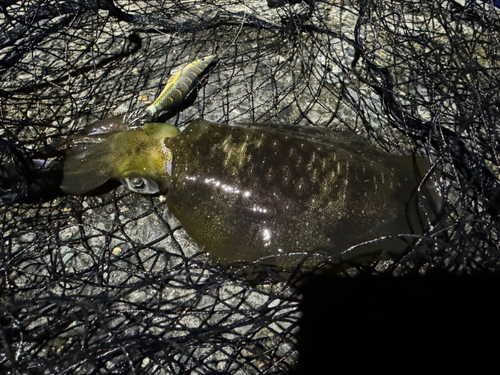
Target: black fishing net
112, 284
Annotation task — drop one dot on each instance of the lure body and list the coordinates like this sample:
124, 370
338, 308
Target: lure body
179, 86
252, 192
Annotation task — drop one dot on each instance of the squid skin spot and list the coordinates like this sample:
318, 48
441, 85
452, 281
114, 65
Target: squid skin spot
314, 176
228, 158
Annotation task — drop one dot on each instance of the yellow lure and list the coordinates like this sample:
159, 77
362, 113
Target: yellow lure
178, 88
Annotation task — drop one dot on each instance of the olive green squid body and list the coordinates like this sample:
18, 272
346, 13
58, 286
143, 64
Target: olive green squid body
273, 193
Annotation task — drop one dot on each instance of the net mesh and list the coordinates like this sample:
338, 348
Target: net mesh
113, 284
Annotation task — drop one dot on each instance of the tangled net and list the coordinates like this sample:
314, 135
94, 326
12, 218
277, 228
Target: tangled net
112, 284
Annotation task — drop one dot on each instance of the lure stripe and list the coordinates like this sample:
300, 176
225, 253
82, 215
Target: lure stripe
168, 88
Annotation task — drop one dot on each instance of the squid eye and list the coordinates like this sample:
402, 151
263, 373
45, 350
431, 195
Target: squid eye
137, 183
140, 185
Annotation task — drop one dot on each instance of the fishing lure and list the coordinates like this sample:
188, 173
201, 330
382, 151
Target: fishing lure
269, 192
178, 88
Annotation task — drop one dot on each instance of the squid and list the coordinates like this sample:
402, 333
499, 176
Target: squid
269, 193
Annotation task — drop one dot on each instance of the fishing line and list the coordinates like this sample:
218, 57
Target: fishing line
237, 35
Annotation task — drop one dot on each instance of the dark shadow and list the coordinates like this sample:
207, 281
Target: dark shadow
384, 325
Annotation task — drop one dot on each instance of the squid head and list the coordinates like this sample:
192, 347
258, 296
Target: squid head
138, 158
